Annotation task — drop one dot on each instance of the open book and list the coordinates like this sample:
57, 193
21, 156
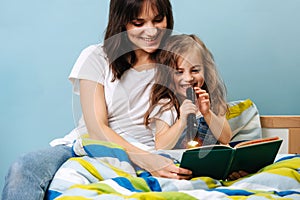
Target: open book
218, 161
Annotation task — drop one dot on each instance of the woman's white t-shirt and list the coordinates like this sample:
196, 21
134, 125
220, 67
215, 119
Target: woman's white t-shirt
127, 99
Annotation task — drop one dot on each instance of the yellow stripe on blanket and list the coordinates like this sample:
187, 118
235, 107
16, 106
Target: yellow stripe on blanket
98, 188
72, 198
210, 182
258, 196
161, 196
285, 168
137, 182
88, 166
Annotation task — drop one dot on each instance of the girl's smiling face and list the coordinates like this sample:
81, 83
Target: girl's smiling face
189, 72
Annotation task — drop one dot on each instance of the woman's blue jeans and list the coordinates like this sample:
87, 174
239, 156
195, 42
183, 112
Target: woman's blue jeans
29, 176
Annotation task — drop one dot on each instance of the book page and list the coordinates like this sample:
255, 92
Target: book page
251, 142
208, 147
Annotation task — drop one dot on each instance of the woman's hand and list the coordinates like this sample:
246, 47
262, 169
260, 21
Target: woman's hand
160, 166
172, 171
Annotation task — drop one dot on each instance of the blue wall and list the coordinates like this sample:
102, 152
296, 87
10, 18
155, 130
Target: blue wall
255, 44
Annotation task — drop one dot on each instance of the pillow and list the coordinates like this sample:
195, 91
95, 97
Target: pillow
244, 120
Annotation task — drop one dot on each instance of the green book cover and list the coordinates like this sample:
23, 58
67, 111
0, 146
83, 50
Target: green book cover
218, 161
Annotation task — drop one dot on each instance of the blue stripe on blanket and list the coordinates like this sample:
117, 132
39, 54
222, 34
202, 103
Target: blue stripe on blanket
153, 184
103, 151
285, 193
124, 182
234, 192
51, 194
288, 157
150, 180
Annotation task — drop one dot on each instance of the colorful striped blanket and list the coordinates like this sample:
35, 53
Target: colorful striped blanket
107, 173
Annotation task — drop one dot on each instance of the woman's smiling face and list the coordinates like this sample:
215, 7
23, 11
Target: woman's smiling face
147, 30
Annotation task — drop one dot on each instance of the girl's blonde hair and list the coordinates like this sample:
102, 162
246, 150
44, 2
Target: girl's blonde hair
177, 46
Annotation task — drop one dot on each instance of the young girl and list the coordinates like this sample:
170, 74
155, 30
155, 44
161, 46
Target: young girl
186, 62
112, 80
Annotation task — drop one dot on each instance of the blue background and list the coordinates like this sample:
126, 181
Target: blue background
255, 43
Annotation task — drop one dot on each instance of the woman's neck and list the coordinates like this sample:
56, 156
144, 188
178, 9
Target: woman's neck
143, 61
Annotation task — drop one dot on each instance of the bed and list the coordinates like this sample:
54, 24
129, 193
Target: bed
105, 172
286, 127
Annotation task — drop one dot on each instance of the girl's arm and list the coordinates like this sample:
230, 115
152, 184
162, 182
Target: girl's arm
218, 124
167, 136
95, 116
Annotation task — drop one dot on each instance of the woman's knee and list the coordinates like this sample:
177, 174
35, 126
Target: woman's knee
40, 163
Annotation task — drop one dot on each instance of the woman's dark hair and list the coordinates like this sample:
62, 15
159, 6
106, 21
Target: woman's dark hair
116, 45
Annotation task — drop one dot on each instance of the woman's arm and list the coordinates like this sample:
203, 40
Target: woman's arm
95, 115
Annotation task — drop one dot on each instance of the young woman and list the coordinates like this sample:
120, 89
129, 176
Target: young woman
186, 62
113, 82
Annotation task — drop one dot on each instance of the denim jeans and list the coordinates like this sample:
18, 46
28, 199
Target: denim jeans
29, 177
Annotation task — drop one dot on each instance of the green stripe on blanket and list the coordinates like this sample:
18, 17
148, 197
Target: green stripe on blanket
101, 188
87, 141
